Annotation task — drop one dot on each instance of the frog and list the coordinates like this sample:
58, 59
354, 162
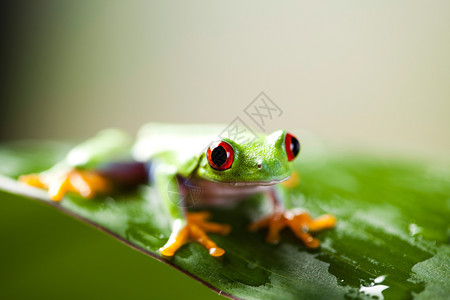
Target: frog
178, 158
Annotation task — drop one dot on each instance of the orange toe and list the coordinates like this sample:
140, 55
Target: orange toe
177, 239
216, 252
33, 180
322, 222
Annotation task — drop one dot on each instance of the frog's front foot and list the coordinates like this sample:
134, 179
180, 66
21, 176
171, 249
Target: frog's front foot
195, 229
300, 223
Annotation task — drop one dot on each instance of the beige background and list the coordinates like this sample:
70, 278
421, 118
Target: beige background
373, 74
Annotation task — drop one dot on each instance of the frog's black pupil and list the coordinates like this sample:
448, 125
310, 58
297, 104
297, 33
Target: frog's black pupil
295, 146
219, 156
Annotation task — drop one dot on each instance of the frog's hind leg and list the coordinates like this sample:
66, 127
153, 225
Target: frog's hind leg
81, 171
87, 183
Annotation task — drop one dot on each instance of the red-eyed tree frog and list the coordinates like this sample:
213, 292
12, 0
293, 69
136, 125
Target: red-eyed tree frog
177, 158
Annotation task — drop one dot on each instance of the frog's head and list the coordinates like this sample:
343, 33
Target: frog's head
266, 160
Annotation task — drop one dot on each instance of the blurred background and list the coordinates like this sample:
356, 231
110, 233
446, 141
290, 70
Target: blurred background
370, 75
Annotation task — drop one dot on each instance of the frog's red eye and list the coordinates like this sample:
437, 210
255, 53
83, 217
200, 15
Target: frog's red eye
292, 146
220, 155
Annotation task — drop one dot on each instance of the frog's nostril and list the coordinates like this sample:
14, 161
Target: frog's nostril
259, 166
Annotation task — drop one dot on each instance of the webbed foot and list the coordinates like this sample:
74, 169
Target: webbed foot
195, 229
300, 223
85, 183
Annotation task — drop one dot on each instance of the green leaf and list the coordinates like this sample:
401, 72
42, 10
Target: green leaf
393, 222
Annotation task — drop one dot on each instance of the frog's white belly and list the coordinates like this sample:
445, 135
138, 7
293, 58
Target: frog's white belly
200, 192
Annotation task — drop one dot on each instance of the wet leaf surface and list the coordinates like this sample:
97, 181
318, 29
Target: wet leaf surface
392, 237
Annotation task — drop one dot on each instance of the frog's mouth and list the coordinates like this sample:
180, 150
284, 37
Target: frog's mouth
255, 183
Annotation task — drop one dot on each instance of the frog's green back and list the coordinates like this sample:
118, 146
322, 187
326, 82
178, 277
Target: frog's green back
185, 141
